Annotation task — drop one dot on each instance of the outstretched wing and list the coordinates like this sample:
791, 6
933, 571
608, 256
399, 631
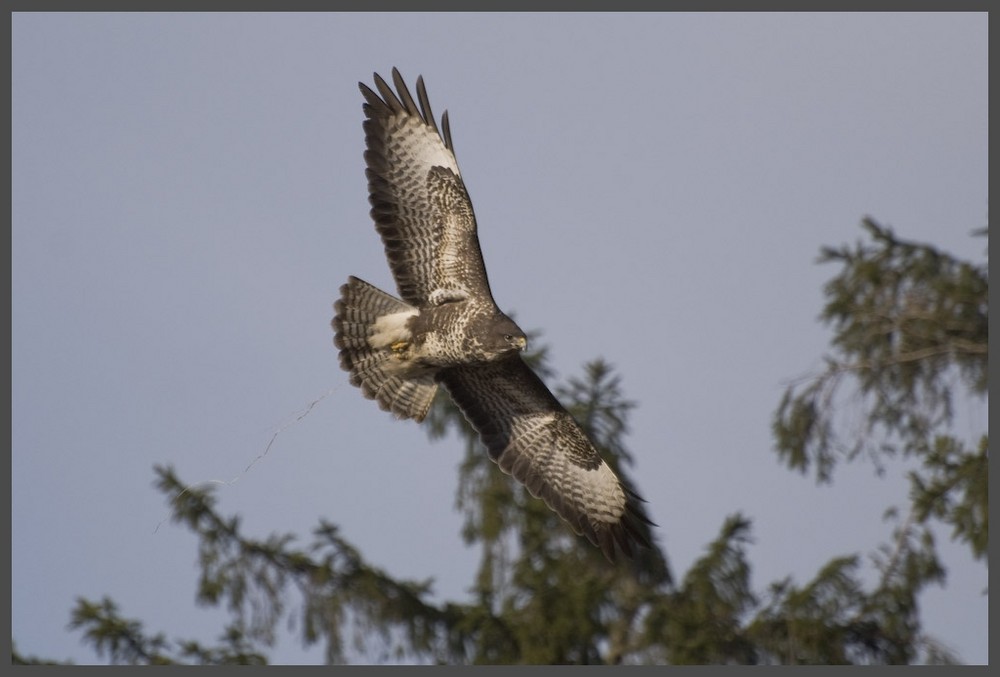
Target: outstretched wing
532, 437
419, 202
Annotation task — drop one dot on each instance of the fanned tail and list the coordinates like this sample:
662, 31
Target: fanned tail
366, 352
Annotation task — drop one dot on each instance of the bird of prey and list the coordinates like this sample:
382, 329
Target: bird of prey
445, 328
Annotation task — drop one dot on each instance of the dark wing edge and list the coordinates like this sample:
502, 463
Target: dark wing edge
532, 437
387, 104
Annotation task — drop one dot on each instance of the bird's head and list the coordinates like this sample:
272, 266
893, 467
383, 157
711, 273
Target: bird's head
507, 336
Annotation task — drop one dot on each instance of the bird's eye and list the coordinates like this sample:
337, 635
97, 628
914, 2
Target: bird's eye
508, 337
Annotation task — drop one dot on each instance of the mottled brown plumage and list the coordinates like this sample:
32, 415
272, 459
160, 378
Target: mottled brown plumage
446, 328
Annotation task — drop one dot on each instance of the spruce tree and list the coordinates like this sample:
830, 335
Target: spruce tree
910, 326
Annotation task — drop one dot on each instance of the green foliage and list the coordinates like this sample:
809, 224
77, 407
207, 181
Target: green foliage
833, 620
340, 590
910, 325
954, 488
17, 658
702, 623
123, 640
907, 319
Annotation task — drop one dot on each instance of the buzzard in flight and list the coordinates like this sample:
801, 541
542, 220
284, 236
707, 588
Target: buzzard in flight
447, 330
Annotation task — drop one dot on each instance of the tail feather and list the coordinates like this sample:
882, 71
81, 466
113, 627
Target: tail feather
379, 373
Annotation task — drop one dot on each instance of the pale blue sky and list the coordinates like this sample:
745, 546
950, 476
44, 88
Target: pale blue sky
188, 195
